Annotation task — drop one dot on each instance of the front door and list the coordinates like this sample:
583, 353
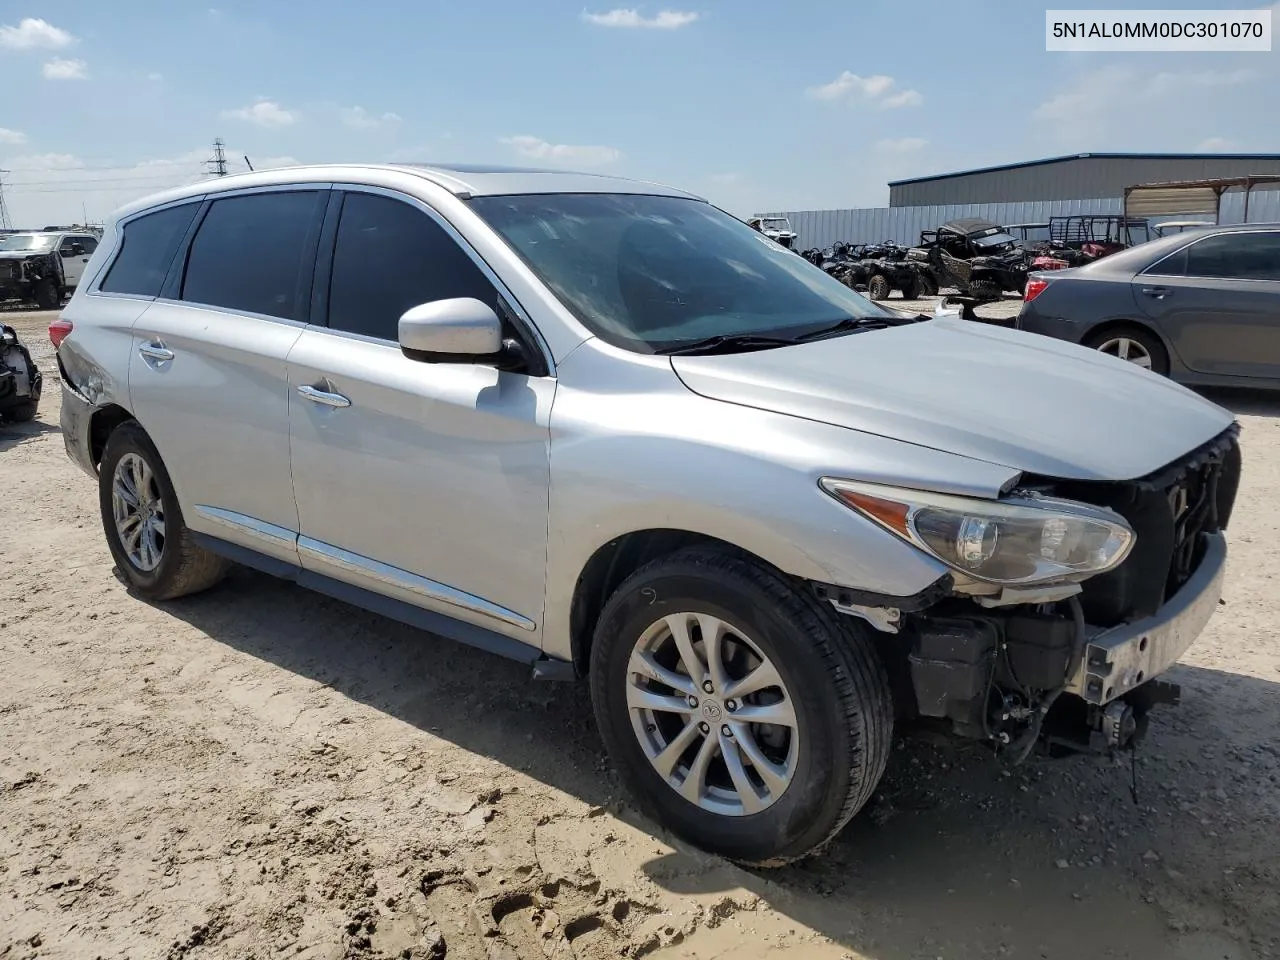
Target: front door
427, 482
75, 253
1218, 303
207, 373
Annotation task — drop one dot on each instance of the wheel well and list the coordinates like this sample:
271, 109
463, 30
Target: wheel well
101, 425
612, 564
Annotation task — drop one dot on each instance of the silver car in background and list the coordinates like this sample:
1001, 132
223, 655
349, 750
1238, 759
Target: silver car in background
605, 428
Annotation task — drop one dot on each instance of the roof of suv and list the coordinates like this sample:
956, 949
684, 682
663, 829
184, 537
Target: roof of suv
462, 180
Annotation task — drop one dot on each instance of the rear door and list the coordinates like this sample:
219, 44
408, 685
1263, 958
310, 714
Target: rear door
207, 372
1217, 301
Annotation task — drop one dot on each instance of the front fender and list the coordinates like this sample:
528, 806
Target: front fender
642, 452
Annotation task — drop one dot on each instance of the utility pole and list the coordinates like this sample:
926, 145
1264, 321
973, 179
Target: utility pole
218, 163
4, 208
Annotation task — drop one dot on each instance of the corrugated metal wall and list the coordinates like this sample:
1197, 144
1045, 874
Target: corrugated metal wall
821, 228
1074, 177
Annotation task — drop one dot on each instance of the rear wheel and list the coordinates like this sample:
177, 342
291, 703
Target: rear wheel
143, 522
1139, 347
984, 290
911, 288
47, 295
878, 287
741, 712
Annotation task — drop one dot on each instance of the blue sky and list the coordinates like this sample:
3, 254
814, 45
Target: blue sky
757, 105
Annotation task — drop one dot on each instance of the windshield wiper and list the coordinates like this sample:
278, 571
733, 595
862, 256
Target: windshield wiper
853, 323
727, 343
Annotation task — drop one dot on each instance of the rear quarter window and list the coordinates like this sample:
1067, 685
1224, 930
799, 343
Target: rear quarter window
146, 251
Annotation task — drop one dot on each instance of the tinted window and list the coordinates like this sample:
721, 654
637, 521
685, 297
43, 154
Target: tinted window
1236, 256
1174, 265
146, 251
389, 257
90, 244
250, 253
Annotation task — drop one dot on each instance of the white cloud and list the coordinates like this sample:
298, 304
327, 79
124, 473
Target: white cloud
265, 113
1215, 145
902, 144
12, 136
34, 33
59, 69
878, 89
538, 149
903, 98
1114, 89
361, 118
633, 19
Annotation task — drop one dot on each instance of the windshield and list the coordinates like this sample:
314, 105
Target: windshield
27, 241
651, 273
784, 225
994, 240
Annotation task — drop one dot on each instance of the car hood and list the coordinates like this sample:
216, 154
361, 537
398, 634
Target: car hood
1017, 399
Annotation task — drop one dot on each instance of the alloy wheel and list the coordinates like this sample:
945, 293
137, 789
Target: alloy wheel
712, 714
1127, 348
138, 510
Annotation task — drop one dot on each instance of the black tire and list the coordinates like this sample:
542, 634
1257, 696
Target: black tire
20, 412
844, 718
185, 567
929, 286
878, 287
984, 290
1149, 341
911, 288
47, 295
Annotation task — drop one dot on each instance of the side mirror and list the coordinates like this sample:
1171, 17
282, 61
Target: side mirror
459, 330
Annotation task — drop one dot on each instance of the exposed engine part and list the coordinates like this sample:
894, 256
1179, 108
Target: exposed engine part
1118, 724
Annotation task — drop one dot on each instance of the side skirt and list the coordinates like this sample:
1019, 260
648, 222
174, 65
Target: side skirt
544, 667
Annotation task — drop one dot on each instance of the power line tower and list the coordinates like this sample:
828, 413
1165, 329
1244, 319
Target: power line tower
218, 163
4, 207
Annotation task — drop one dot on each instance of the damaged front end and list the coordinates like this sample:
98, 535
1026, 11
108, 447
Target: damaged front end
1070, 662
20, 378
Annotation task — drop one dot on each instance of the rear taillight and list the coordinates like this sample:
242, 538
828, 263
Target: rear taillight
1034, 289
58, 331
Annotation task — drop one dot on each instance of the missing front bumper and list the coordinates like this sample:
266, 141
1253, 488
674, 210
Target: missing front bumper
1120, 659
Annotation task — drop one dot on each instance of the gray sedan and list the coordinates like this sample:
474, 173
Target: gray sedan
1202, 307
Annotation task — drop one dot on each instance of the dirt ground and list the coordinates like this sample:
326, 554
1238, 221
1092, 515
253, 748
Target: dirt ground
263, 772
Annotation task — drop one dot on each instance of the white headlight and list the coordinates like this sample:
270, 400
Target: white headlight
1028, 540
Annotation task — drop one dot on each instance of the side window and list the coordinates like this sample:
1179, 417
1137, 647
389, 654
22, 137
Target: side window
147, 249
390, 256
90, 244
250, 253
1174, 265
1236, 256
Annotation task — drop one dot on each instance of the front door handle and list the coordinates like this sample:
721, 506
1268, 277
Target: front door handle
1158, 292
155, 351
326, 397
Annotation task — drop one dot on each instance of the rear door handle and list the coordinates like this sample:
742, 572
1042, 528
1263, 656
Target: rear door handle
156, 351
1158, 292
326, 397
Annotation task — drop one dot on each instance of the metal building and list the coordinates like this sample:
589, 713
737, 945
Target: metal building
1082, 176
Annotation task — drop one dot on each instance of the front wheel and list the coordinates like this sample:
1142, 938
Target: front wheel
47, 295
878, 287
151, 544
741, 712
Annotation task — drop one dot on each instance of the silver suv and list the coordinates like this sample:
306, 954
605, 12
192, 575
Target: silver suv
601, 426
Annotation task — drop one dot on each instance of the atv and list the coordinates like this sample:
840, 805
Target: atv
1083, 238
20, 379
886, 267
777, 229
979, 258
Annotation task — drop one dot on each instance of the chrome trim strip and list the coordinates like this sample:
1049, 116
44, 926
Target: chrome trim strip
252, 526
404, 580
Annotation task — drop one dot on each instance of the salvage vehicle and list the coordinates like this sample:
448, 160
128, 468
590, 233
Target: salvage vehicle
775, 228
1201, 306
750, 507
20, 379
43, 268
975, 256
885, 267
